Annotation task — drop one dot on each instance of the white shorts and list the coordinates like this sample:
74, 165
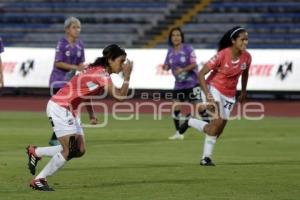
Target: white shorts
62, 120
226, 103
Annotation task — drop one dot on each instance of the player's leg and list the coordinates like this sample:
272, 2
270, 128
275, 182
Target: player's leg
214, 129
65, 126
54, 164
53, 140
35, 154
197, 97
80, 140
176, 118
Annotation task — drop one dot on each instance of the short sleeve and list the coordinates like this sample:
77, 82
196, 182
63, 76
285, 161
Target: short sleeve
103, 78
249, 60
82, 57
59, 52
167, 58
192, 55
1, 46
215, 61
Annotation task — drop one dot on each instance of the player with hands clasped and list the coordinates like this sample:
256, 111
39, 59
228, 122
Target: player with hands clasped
62, 111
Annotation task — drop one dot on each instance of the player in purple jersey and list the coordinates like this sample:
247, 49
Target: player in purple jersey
181, 59
69, 58
1, 70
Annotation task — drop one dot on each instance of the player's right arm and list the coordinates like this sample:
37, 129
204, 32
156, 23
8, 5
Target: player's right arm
201, 78
166, 65
211, 64
66, 66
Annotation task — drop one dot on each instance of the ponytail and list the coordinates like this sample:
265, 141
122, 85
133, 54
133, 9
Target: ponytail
102, 61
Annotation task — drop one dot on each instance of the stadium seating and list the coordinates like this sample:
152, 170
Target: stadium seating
40, 23
271, 24
131, 23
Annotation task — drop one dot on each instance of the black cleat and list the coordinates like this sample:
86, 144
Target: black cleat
32, 159
206, 161
185, 125
40, 184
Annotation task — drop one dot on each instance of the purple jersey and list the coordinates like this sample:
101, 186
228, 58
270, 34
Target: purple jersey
183, 58
67, 53
1, 45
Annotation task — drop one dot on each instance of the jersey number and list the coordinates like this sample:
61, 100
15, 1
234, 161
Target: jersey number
228, 105
197, 92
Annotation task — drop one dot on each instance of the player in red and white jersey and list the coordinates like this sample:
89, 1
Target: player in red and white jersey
219, 89
91, 82
62, 107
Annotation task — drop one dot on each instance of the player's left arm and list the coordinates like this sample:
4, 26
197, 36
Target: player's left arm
187, 68
1, 74
244, 82
90, 109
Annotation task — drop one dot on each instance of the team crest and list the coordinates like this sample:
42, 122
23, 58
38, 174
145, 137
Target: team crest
70, 122
78, 53
182, 59
243, 66
68, 53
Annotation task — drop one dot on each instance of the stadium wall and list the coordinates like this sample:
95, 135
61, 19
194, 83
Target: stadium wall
274, 74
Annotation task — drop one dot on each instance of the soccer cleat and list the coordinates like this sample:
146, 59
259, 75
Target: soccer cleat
206, 161
32, 159
185, 125
40, 184
176, 136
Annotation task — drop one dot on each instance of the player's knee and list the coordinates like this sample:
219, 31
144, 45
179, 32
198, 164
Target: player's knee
74, 150
81, 152
212, 131
215, 130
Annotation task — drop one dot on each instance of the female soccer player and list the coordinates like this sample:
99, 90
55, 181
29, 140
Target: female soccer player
231, 61
62, 112
1, 70
69, 58
181, 59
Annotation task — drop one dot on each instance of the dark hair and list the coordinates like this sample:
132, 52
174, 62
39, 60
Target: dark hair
233, 33
170, 35
111, 51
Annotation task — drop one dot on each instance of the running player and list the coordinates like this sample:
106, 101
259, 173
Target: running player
181, 59
231, 62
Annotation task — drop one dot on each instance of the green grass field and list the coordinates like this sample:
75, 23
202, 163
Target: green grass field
134, 160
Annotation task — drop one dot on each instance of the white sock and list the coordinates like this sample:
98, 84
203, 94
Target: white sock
56, 162
209, 144
197, 124
48, 151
